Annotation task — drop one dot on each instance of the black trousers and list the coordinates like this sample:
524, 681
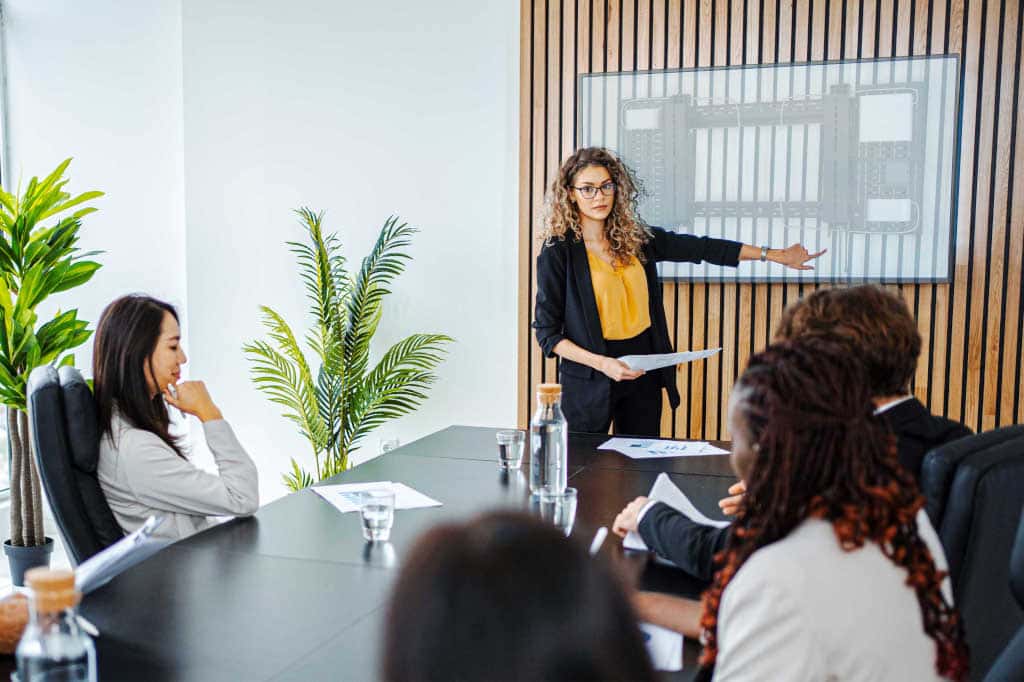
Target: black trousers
594, 402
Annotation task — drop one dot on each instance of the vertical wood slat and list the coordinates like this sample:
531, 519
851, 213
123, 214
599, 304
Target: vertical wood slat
972, 356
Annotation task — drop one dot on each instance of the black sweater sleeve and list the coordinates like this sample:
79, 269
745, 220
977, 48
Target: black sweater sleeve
689, 545
549, 309
686, 248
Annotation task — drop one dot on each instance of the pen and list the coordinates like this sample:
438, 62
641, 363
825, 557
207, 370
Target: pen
599, 537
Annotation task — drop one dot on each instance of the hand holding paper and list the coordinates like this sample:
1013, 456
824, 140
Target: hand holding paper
664, 490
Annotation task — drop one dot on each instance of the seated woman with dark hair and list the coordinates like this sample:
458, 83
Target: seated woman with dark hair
832, 570
506, 597
142, 470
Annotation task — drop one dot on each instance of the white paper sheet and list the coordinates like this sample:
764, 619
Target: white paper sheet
100, 568
664, 490
345, 497
651, 448
664, 646
657, 361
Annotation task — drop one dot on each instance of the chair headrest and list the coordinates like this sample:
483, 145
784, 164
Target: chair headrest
82, 422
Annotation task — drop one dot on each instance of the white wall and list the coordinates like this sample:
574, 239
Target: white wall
100, 81
363, 110
207, 122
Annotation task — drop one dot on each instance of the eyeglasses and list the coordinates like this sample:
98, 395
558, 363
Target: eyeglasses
589, 191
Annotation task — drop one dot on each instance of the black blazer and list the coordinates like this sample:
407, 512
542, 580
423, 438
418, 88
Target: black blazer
918, 431
566, 308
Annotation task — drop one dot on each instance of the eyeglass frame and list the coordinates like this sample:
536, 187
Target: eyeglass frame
594, 190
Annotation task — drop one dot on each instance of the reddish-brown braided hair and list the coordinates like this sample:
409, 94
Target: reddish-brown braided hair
821, 453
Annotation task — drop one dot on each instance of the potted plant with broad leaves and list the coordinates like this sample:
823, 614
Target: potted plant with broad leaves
336, 406
38, 258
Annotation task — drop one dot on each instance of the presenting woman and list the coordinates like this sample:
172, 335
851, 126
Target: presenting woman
598, 296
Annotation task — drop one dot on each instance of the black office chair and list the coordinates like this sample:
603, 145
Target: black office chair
66, 436
1009, 667
977, 518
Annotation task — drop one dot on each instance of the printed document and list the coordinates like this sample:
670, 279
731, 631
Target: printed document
346, 497
652, 448
664, 490
664, 646
657, 361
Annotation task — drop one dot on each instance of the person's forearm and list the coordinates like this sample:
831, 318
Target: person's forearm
748, 252
675, 613
570, 351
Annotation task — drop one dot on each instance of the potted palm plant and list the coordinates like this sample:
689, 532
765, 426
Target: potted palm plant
345, 398
38, 258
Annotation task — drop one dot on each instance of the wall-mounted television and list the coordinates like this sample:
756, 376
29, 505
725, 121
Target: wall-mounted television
857, 157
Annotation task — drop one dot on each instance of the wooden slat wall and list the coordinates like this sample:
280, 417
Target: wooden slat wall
970, 368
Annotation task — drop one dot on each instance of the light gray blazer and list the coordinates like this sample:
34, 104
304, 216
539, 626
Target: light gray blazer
142, 476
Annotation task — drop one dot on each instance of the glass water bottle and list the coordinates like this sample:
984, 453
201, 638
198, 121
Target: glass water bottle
54, 648
549, 449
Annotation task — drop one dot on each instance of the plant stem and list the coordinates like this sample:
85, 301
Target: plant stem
38, 534
17, 528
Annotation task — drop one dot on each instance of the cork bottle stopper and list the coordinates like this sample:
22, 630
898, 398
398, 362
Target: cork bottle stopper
549, 393
53, 589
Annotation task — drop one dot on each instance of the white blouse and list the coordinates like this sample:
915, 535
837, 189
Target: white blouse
804, 609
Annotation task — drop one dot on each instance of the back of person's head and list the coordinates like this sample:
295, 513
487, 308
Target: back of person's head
126, 336
506, 597
807, 443
875, 323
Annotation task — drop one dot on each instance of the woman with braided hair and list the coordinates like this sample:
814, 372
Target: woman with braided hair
832, 570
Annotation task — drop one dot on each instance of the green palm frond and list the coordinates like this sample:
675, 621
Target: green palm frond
347, 399
298, 478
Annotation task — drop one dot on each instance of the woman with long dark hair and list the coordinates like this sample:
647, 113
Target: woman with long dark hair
506, 597
832, 570
143, 471
598, 295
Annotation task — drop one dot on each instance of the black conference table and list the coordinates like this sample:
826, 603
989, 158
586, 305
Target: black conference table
294, 593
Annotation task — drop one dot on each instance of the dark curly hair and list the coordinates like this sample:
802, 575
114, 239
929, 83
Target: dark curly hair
625, 230
876, 323
821, 453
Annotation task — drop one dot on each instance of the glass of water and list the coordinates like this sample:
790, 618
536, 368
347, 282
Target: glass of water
510, 449
557, 508
377, 511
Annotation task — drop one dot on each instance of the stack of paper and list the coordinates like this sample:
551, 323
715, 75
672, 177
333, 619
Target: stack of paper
346, 497
650, 448
664, 490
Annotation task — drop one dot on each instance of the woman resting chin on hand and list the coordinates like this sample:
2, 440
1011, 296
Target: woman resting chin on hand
142, 469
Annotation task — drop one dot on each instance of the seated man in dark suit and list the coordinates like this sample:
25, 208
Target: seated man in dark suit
879, 328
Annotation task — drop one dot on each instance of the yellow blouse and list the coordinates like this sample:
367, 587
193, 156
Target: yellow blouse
622, 297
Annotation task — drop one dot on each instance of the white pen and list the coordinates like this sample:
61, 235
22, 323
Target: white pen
599, 537
89, 628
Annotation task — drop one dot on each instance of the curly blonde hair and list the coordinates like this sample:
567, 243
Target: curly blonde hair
624, 229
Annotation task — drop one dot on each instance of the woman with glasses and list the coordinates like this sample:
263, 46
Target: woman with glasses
598, 296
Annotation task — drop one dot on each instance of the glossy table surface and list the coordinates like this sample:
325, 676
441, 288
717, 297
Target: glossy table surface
294, 593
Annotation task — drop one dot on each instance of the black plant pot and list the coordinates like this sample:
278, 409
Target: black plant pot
23, 558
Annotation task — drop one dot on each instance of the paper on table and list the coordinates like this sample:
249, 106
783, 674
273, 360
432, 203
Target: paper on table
664, 646
345, 497
649, 448
664, 490
100, 568
657, 361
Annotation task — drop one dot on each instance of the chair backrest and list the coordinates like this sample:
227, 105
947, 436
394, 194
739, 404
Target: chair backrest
1009, 667
66, 440
977, 524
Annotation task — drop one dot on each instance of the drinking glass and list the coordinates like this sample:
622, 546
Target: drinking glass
558, 508
510, 449
377, 511
387, 445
